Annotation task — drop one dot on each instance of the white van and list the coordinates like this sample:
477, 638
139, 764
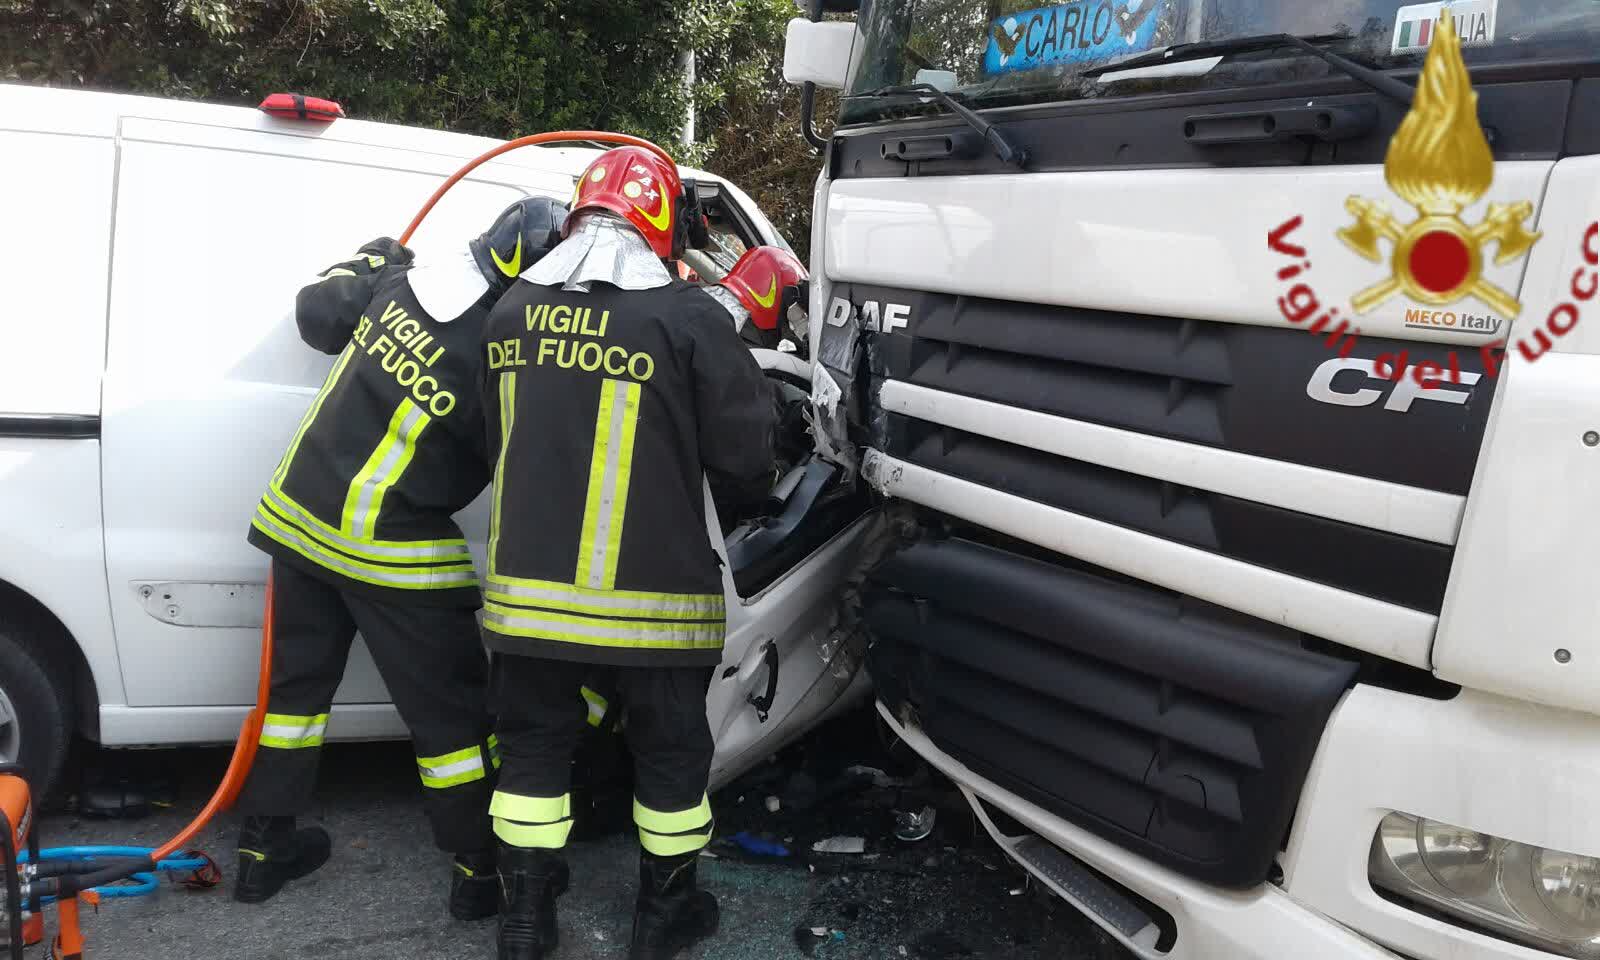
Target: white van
150, 377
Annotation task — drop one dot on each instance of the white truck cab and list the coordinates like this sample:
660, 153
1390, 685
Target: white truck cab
151, 377
1241, 367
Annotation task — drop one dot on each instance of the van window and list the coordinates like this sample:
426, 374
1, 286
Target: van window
56, 193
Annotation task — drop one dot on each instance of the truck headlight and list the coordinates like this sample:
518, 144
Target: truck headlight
1544, 898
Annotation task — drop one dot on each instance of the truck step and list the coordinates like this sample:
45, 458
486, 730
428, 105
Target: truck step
1087, 891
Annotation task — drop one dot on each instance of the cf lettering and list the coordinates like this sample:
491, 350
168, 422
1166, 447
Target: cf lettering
1428, 385
1323, 389
1348, 382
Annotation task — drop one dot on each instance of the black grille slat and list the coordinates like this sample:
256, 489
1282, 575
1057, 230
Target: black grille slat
1099, 739
1051, 773
1133, 401
1103, 688
1064, 688
1162, 346
1401, 570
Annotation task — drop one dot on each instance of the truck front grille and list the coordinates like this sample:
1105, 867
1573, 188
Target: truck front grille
1176, 729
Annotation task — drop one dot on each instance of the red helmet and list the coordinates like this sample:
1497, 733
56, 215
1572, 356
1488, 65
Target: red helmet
635, 184
761, 280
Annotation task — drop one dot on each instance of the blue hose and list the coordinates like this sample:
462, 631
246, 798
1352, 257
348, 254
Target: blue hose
146, 880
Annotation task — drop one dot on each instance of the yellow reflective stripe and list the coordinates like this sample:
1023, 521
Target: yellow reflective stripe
332, 272
611, 603
389, 459
494, 750
696, 817
409, 577
600, 631
290, 732
597, 707
531, 821
508, 410
547, 836
514, 806
452, 769
395, 551
610, 468
597, 473
673, 846
630, 422
311, 411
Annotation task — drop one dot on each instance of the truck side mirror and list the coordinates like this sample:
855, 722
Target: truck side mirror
818, 53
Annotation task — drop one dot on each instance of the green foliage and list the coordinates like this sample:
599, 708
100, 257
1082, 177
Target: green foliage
497, 68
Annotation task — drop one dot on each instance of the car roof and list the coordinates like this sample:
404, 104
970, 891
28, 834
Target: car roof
98, 114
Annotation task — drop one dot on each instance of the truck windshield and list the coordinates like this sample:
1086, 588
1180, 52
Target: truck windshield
1012, 52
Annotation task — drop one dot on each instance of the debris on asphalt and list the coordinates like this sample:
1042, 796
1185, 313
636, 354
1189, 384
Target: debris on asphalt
914, 825
758, 846
879, 778
773, 804
840, 845
846, 781
809, 938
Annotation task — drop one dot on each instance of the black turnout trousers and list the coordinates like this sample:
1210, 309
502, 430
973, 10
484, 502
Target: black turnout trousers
434, 665
541, 716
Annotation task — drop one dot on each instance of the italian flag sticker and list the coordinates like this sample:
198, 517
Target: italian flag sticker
1414, 33
1415, 24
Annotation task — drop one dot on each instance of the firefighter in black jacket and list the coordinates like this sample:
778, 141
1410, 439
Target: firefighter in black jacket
613, 391
357, 518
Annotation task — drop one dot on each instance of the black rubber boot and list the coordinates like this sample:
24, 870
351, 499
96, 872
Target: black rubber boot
530, 881
474, 886
272, 852
672, 913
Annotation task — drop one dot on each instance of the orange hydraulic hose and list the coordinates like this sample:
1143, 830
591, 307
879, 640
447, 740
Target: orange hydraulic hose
244, 751
553, 137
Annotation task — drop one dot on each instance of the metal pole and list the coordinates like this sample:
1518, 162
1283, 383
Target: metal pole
686, 66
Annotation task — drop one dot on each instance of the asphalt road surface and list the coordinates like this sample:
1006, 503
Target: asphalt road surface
382, 895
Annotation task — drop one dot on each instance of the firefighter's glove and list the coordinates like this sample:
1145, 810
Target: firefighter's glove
389, 249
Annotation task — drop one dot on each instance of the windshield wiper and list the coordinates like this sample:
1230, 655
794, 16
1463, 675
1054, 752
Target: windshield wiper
1181, 52
1016, 156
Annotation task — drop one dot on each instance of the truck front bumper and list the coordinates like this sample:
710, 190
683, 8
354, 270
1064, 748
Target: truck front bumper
1512, 769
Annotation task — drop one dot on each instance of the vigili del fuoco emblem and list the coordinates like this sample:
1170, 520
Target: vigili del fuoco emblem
1439, 162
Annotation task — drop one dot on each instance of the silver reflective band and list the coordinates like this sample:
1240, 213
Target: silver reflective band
618, 442
364, 519
693, 607
451, 769
295, 731
627, 632
463, 576
508, 410
446, 551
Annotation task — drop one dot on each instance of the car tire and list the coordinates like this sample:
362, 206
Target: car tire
35, 707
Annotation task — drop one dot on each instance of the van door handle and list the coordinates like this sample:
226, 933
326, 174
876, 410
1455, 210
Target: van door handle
763, 703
